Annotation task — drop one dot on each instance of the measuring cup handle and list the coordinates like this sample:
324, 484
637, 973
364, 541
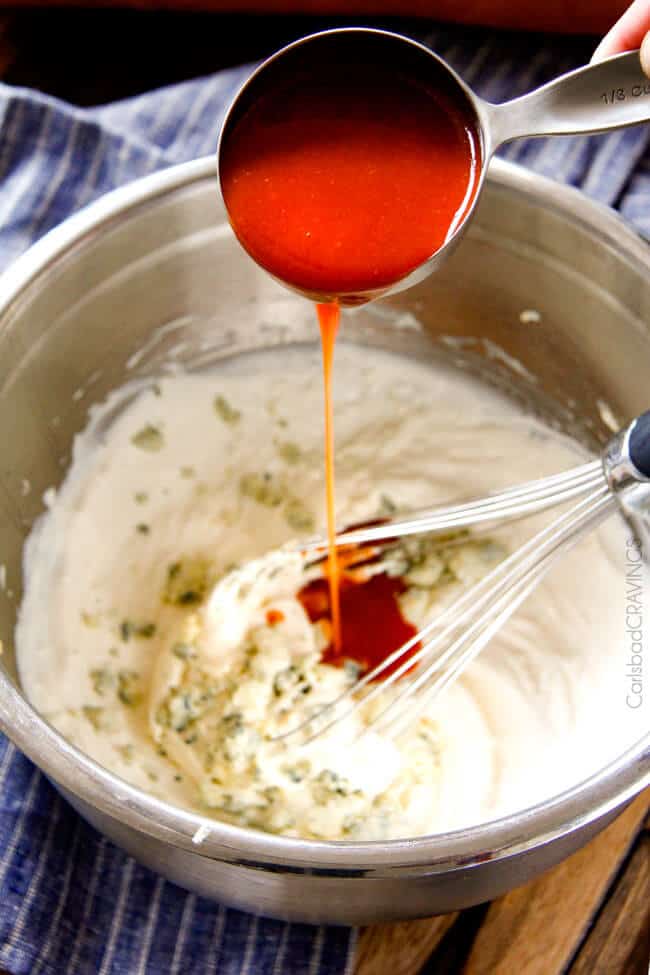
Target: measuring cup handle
598, 97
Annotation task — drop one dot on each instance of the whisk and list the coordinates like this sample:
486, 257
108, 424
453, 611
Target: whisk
449, 643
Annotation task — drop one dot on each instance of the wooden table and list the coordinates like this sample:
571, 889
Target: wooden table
591, 914
588, 916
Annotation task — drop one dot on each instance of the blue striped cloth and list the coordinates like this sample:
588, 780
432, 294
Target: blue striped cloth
71, 902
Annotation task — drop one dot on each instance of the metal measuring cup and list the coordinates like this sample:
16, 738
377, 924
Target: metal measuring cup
595, 98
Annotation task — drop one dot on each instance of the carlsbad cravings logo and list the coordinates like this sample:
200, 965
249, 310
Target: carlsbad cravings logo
634, 577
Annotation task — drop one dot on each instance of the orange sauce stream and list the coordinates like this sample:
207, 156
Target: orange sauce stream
329, 316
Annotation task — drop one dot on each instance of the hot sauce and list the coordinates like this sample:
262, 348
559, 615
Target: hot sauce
329, 316
339, 184
372, 625
348, 185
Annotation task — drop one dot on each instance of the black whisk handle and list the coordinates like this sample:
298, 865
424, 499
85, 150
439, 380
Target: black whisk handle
639, 444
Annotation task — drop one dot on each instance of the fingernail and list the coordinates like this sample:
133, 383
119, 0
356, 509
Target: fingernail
645, 54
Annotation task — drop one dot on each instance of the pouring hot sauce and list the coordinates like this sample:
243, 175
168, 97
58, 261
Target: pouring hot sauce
329, 316
342, 182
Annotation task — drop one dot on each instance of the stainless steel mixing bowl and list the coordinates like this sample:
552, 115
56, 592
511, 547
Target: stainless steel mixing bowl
152, 273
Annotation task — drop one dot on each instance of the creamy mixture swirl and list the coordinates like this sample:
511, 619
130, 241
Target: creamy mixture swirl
159, 635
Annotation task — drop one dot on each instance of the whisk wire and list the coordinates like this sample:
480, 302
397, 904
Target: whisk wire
507, 505
518, 586
394, 725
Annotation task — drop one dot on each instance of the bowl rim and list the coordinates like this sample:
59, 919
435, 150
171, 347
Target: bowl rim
573, 809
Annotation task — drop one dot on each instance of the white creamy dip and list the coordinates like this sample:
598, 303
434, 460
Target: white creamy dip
144, 634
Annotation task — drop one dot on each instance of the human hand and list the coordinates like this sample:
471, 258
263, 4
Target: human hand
628, 33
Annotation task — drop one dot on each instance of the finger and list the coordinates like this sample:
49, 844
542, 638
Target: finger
627, 33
